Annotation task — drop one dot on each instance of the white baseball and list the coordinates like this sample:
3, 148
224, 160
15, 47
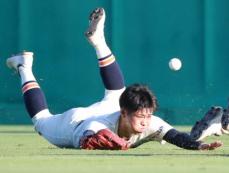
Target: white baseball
175, 64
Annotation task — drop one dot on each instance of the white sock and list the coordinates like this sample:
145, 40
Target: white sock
26, 74
98, 41
102, 50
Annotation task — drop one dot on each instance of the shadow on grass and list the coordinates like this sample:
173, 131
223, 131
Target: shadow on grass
140, 154
15, 132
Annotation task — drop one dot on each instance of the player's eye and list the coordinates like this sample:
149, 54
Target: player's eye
144, 116
139, 116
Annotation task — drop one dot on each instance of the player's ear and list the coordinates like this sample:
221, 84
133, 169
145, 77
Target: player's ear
123, 112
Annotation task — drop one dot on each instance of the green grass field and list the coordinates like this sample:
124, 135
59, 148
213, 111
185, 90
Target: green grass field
22, 151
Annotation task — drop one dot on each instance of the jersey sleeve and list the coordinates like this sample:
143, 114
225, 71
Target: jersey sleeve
93, 127
159, 127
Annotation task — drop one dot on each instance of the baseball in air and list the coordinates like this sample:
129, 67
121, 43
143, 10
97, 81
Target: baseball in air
175, 64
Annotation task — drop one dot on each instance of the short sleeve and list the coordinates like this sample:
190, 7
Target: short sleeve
95, 126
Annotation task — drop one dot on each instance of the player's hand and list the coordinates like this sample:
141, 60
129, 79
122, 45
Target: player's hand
210, 146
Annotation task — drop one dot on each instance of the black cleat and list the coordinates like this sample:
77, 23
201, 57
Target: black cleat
225, 119
209, 125
96, 20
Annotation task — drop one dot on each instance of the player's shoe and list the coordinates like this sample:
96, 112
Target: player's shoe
95, 31
24, 59
209, 125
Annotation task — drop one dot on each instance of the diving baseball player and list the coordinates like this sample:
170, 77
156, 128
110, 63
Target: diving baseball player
123, 119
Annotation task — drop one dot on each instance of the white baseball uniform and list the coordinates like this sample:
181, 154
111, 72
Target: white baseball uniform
66, 130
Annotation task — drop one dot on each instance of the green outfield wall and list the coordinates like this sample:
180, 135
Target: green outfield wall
144, 36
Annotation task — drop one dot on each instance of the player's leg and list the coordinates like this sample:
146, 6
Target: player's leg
34, 98
109, 69
55, 128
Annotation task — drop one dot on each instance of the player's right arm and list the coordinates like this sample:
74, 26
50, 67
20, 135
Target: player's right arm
104, 139
97, 134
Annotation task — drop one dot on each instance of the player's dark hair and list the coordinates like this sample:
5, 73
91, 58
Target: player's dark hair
136, 97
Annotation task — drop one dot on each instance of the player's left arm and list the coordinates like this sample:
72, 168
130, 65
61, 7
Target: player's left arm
184, 140
169, 134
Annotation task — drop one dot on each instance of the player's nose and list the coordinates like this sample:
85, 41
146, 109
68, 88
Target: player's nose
144, 122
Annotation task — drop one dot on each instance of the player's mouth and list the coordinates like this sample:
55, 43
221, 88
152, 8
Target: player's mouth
141, 129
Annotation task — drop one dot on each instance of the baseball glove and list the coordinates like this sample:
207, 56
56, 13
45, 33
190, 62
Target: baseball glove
104, 140
209, 125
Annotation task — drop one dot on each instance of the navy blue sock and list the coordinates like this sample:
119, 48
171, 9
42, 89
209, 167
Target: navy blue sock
34, 98
111, 73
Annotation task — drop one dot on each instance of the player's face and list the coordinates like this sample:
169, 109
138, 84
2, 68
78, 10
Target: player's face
140, 120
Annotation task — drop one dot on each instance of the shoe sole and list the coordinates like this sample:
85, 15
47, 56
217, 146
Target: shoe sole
94, 19
197, 132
